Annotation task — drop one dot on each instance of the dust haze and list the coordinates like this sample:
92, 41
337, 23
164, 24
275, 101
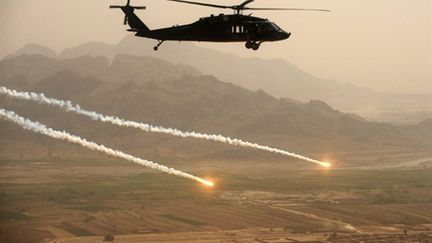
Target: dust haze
383, 45
81, 98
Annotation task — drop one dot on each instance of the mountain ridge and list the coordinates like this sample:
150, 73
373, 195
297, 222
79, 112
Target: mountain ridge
277, 77
191, 102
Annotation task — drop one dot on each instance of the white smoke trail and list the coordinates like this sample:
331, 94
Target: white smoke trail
68, 106
62, 135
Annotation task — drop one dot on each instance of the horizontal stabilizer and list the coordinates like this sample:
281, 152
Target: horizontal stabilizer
134, 7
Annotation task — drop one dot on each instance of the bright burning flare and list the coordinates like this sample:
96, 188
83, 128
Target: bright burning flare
325, 164
62, 135
207, 182
68, 106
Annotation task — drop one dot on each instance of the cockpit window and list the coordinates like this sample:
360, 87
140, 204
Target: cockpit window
267, 26
276, 27
270, 26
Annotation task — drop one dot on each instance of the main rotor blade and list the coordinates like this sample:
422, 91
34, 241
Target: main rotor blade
202, 4
242, 6
245, 3
289, 9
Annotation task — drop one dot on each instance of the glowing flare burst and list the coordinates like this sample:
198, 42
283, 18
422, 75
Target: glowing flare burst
68, 106
42, 129
207, 182
325, 164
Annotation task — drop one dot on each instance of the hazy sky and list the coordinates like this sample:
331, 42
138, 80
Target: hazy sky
380, 44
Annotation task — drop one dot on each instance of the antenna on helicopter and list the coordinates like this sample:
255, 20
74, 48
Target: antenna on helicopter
127, 7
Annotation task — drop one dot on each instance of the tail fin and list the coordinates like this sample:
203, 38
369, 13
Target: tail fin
130, 17
133, 20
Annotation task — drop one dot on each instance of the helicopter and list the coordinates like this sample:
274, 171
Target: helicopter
235, 27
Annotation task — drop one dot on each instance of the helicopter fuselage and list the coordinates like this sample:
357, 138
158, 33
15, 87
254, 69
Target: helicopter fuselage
235, 27
220, 28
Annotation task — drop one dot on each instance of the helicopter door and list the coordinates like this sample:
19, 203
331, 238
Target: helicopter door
258, 28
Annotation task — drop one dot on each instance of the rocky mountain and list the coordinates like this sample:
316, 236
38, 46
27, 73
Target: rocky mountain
33, 68
182, 98
277, 77
34, 49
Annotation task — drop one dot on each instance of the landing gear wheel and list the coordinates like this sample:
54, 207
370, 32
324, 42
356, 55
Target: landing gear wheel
255, 46
158, 44
249, 45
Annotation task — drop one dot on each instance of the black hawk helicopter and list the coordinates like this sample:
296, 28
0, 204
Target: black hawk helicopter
216, 28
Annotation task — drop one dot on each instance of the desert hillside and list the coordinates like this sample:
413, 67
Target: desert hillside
277, 77
181, 98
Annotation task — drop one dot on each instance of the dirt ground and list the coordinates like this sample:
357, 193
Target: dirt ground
83, 200
262, 235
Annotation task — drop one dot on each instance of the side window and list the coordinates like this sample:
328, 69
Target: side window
237, 29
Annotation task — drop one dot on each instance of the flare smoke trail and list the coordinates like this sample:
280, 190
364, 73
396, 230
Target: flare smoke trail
68, 106
42, 129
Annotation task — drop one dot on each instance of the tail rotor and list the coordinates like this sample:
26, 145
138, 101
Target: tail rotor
127, 8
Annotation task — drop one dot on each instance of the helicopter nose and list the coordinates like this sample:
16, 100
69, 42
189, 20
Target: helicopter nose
285, 35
